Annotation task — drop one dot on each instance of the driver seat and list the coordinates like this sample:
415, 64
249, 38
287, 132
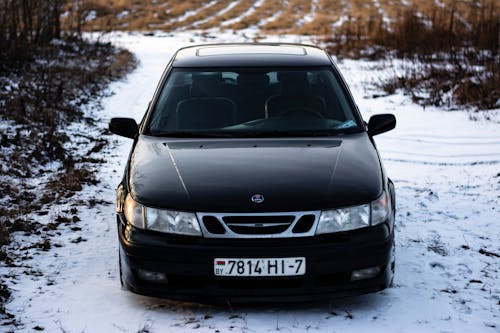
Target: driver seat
294, 93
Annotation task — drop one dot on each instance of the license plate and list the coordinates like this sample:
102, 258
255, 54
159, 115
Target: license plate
259, 266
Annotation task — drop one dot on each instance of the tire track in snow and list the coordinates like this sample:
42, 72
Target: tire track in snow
451, 141
421, 162
441, 150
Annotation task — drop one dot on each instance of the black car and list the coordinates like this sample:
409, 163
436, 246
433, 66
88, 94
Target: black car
253, 177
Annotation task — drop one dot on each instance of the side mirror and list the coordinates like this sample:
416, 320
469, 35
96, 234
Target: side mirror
126, 127
381, 123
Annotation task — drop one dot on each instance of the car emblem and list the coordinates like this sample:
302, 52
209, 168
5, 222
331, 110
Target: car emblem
258, 198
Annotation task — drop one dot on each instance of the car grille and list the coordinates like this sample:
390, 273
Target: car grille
258, 225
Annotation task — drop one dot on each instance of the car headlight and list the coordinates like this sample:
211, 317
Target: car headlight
343, 219
380, 209
350, 218
163, 220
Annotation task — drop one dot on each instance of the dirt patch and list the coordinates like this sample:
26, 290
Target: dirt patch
44, 91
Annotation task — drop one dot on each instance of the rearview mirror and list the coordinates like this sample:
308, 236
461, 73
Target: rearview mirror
381, 123
126, 127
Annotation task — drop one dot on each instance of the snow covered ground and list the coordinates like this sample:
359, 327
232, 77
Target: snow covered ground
447, 174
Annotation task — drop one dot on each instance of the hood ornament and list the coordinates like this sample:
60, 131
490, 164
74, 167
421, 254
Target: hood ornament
258, 198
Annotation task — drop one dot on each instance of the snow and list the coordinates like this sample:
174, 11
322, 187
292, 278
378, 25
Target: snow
92, 15
439, 3
122, 14
340, 21
446, 171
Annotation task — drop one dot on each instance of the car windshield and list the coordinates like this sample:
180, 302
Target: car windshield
261, 102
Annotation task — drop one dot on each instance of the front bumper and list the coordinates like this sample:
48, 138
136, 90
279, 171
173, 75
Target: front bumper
188, 265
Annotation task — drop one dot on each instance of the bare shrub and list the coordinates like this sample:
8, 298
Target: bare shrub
46, 78
450, 61
25, 22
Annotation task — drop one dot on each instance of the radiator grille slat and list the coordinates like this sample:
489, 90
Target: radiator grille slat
258, 225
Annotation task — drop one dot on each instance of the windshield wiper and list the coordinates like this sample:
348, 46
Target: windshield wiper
186, 134
253, 134
286, 134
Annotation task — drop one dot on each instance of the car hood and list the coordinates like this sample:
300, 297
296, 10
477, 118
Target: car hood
222, 175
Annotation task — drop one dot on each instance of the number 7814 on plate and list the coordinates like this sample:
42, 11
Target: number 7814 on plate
294, 266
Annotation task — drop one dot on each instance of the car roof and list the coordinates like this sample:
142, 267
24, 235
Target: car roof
251, 55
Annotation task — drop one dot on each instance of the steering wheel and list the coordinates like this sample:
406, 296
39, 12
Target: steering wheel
303, 110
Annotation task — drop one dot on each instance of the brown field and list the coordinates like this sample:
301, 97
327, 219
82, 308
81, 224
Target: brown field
267, 9
327, 13
236, 11
356, 16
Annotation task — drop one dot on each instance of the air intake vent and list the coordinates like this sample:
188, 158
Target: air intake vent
213, 225
260, 230
249, 219
258, 225
304, 224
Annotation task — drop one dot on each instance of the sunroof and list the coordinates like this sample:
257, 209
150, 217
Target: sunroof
253, 49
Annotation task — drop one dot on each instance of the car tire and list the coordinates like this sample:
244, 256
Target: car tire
393, 261
120, 268
392, 191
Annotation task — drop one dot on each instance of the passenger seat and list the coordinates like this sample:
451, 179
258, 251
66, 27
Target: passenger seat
205, 113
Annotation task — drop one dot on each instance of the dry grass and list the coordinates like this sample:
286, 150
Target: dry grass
453, 60
162, 14
180, 8
327, 13
71, 180
392, 8
361, 8
267, 9
289, 19
236, 11
208, 12
128, 14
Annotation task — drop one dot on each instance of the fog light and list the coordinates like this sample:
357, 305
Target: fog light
365, 273
152, 276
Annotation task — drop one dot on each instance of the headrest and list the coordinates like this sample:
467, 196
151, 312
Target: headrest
293, 83
205, 84
253, 79
292, 76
